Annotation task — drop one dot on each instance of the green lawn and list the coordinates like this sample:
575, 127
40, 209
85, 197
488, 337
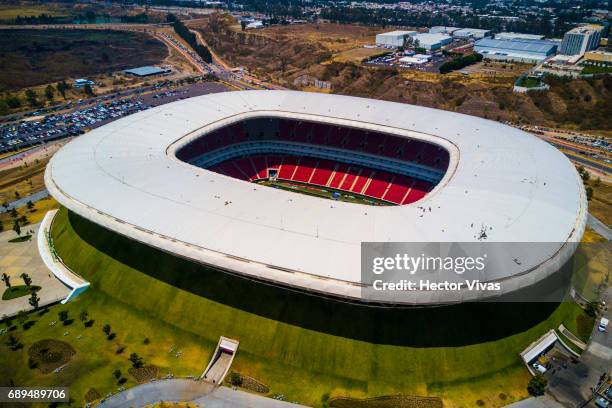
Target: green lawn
300, 346
324, 192
592, 69
19, 291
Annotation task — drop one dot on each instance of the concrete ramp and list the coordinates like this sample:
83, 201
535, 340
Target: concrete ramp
221, 361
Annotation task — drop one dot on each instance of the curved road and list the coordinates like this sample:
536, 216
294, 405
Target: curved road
200, 393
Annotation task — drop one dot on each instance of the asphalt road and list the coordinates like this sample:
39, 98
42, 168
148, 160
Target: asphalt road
604, 168
572, 387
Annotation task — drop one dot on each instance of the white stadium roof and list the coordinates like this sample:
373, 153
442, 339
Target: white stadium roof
125, 177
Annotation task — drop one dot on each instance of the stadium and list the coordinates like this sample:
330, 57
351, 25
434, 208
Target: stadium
213, 179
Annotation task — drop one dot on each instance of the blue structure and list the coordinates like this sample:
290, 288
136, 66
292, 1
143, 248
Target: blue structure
520, 50
147, 71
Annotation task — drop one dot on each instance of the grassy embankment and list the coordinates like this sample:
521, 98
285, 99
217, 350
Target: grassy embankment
302, 347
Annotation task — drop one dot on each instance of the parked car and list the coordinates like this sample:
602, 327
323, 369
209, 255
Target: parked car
539, 368
603, 324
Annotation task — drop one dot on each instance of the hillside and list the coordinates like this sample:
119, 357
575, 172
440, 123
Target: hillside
33, 57
282, 54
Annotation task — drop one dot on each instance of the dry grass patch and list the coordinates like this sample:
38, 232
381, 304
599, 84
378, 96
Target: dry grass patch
395, 401
143, 374
50, 354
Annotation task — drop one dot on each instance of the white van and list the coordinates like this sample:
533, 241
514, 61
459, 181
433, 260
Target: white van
539, 368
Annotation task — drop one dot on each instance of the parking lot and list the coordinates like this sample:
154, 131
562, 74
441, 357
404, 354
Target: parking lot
53, 126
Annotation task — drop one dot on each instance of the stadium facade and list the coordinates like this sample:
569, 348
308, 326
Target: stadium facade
182, 178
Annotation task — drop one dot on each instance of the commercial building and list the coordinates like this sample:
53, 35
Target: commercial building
81, 82
471, 33
394, 38
531, 51
598, 56
432, 42
147, 71
518, 36
579, 40
416, 59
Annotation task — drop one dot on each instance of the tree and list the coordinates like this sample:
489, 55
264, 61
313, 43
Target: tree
7, 280
243, 25
537, 385
136, 360
62, 87
235, 379
13, 342
106, 329
22, 316
31, 97
34, 299
83, 316
63, 315
1, 226
16, 227
49, 92
26, 279
88, 90
30, 204
117, 374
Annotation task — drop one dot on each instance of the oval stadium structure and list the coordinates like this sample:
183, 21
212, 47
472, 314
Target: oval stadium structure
190, 178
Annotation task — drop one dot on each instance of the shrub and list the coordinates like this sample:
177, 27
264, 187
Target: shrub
537, 385
235, 379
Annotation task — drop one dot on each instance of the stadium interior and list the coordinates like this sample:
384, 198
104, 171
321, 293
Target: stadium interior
388, 168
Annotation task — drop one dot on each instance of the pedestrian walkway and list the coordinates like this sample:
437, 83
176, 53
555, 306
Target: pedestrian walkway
599, 227
19, 257
39, 195
54, 262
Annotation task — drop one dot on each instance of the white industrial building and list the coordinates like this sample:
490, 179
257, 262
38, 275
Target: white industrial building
432, 42
471, 33
416, 59
394, 38
443, 30
518, 36
530, 51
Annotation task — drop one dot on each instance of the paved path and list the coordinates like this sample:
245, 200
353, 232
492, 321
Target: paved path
599, 227
224, 397
17, 258
544, 401
201, 393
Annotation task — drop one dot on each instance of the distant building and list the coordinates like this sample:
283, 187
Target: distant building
579, 40
417, 59
254, 24
471, 33
531, 51
443, 30
432, 42
598, 56
147, 71
81, 82
518, 36
394, 38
